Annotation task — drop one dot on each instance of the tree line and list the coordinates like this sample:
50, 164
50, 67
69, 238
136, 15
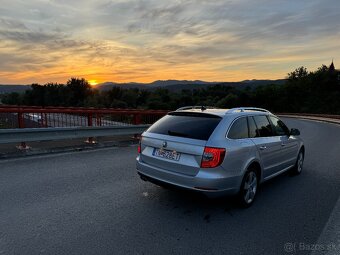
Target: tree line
308, 92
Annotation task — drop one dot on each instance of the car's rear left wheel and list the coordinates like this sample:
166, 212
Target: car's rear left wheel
249, 188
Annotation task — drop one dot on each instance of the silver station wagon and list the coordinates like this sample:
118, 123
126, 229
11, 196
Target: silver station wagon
219, 151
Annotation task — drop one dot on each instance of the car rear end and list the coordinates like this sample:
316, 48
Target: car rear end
174, 151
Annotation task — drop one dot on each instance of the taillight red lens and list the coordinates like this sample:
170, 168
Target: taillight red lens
212, 157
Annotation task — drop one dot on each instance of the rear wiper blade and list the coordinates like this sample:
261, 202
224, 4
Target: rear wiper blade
172, 133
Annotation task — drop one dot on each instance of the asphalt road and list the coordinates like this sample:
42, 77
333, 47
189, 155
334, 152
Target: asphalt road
94, 203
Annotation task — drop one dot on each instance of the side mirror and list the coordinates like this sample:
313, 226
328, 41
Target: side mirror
294, 132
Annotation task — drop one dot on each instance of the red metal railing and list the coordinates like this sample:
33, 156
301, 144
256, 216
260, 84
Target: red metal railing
36, 117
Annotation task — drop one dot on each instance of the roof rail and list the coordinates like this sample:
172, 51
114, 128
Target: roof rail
243, 109
201, 107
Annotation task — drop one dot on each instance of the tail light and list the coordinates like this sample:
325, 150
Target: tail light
212, 157
139, 149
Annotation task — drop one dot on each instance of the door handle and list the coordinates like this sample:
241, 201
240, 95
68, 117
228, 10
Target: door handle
263, 148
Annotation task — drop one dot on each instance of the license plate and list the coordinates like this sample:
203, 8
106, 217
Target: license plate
171, 155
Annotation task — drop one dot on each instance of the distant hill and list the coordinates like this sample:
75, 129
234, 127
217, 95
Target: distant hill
13, 88
156, 84
166, 83
172, 85
177, 85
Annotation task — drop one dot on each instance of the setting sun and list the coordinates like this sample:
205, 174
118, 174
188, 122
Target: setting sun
93, 82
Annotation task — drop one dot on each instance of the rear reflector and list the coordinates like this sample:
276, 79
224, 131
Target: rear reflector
212, 157
139, 149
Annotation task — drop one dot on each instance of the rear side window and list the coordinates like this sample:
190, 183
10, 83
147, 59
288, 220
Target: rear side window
264, 128
239, 129
189, 125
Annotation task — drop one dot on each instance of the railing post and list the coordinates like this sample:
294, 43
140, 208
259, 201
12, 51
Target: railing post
21, 124
89, 119
90, 124
46, 119
98, 120
137, 119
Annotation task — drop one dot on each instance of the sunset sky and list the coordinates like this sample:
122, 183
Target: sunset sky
132, 40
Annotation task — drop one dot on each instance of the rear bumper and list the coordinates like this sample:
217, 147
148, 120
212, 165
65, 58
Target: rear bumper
212, 182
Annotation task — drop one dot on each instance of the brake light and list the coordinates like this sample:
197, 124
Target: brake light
212, 157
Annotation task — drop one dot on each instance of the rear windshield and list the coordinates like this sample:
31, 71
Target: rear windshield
189, 125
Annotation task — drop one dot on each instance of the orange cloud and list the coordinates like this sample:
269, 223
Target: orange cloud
126, 41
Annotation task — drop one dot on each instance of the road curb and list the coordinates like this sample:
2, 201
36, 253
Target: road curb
327, 120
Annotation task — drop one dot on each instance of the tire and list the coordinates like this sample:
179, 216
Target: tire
249, 188
297, 169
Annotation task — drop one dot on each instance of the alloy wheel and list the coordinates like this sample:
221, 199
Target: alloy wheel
250, 187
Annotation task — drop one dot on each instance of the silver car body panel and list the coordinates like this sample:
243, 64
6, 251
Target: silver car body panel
191, 153
274, 155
